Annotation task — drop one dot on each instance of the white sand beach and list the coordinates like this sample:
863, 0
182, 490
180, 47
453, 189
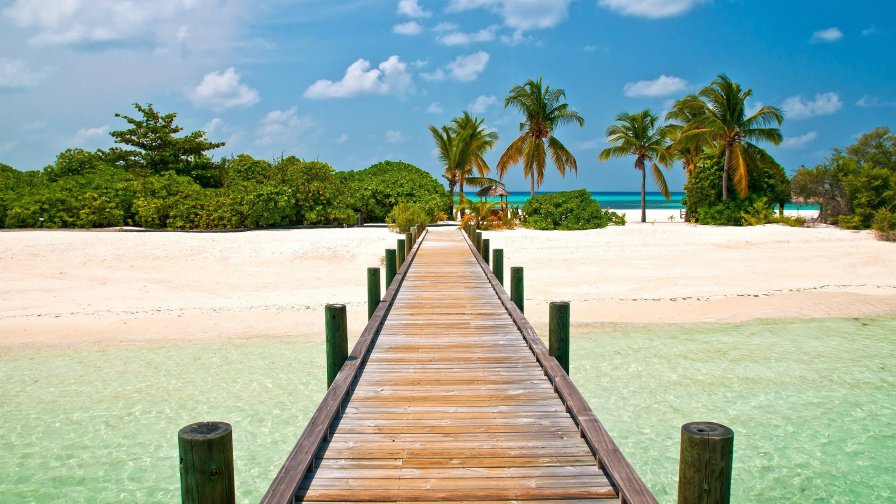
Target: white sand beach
71, 288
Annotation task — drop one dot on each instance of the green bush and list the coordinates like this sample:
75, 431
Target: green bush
884, 225
567, 210
377, 189
405, 216
723, 213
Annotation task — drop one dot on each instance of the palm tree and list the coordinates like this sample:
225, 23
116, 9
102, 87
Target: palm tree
544, 111
638, 135
454, 153
685, 148
480, 141
719, 117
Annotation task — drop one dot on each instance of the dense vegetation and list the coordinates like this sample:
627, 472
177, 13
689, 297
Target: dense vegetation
856, 187
155, 179
568, 210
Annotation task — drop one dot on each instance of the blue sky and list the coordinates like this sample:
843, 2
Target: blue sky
358, 81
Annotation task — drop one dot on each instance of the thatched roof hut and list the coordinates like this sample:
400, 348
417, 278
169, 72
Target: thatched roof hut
492, 191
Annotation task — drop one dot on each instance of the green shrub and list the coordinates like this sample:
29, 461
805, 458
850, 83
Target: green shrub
405, 216
377, 189
884, 225
723, 213
789, 221
568, 210
758, 213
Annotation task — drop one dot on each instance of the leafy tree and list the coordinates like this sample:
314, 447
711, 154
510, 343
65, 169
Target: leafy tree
544, 110
639, 135
319, 197
567, 210
380, 187
245, 168
717, 115
72, 162
454, 153
480, 141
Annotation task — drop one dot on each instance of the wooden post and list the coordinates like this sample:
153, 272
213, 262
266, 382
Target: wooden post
498, 264
373, 291
400, 247
558, 333
478, 241
206, 463
704, 471
408, 243
517, 295
337, 339
391, 266
485, 250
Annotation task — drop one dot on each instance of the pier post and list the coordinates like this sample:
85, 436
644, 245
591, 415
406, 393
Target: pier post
498, 264
401, 253
517, 294
391, 266
206, 463
408, 243
704, 471
337, 339
558, 333
478, 237
485, 250
373, 291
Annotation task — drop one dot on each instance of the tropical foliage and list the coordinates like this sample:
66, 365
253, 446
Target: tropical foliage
378, 189
567, 210
543, 110
461, 147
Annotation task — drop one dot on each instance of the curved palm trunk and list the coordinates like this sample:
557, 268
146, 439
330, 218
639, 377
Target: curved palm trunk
532, 185
725, 172
461, 191
643, 195
451, 185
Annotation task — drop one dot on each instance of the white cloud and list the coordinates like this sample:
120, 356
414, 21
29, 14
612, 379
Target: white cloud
467, 68
434, 108
652, 9
282, 127
831, 34
436, 75
15, 74
871, 30
799, 141
342, 139
390, 77
223, 90
482, 103
520, 15
663, 85
393, 136
91, 136
411, 8
409, 28
796, 107
444, 27
868, 101
462, 38
596, 143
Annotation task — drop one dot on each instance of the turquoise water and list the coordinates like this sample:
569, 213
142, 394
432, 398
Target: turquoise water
626, 200
812, 404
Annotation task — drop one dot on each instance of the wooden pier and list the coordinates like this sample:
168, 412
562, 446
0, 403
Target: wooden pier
449, 395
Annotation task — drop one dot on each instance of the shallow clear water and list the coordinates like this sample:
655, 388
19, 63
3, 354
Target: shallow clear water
812, 404
625, 200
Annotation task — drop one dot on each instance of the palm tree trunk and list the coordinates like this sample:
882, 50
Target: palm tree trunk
461, 191
532, 185
643, 195
725, 172
451, 204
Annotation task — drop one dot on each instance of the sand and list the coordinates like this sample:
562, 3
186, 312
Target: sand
74, 288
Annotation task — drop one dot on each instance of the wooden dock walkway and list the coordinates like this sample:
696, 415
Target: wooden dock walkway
450, 396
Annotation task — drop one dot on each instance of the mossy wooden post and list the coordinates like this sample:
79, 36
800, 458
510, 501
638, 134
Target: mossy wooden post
337, 339
485, 250
558, 333
206, 463
408, 243
498, 264
704, 471
517, 294
391, 266
399, 246
373, 291
478, 241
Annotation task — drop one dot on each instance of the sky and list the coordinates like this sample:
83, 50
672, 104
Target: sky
355, 82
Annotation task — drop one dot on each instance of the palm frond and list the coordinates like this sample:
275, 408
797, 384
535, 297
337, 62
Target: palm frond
738, 170
660, 180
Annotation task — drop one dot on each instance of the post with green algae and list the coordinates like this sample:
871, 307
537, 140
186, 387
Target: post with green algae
485, 250
498, 264
704, 471
206, 463
558, 333
478, 241
399, 246
336, 327
517, 295
391, 266
408, 243
373, 291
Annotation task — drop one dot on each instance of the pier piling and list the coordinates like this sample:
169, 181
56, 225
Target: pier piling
704, 471
206, 463
336, 326
373, 291
517, 294
558, 333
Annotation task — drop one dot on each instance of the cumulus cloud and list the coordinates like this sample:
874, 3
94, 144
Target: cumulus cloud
519, 15
592, 144
15, 74
436, 75
91, 136
434, 108
827, 35
799, 141
796, 107
871, 30
467, 68
663, 85
223, 90
393, 136
282, 127
652, 9
411, 8
409, 28
462, 38
868, 101
482, 103
390, 77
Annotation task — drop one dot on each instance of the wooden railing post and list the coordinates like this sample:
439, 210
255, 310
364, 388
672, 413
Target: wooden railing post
399, 246
498, 264
336, 326
478, 236
206, 463
558, 333
408, 243
517, 294
373, 291
391, 266
704, 471
485, 250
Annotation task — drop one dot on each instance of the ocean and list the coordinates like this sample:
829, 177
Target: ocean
626, 200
